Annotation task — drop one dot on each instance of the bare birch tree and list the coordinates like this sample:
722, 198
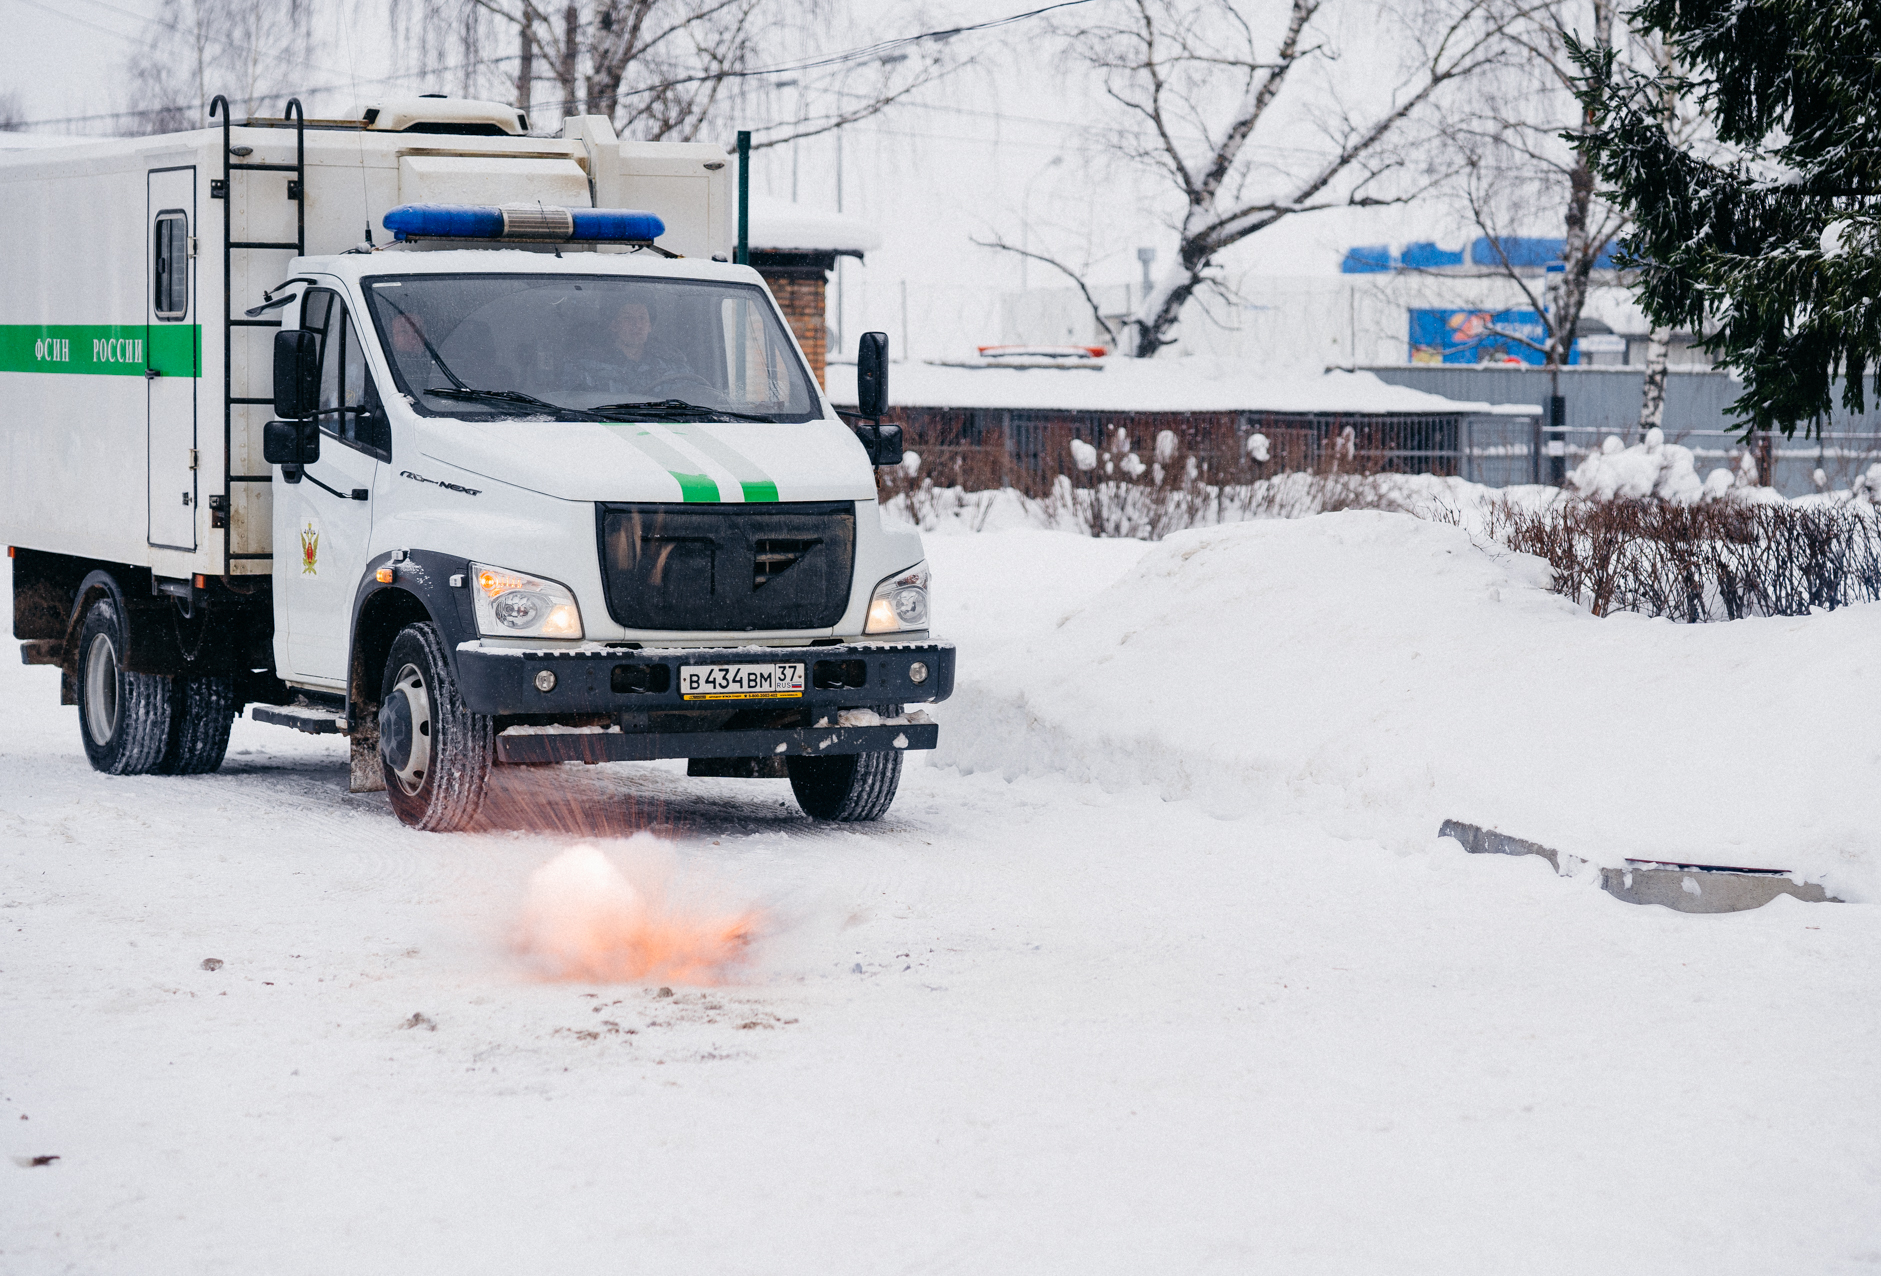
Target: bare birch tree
1515, 171
1202, 85
659, 69
194, 49
1659, 340
1509, 143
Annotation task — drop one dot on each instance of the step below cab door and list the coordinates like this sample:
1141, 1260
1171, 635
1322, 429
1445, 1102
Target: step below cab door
322, 539
172, 357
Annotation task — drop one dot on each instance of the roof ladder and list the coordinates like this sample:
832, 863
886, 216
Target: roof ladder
296, 191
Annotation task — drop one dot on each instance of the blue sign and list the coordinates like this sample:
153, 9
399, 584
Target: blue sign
1480, 336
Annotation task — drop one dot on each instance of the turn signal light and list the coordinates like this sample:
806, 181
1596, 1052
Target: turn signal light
383, 575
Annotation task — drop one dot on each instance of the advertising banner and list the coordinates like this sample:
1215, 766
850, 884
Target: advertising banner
1479, 336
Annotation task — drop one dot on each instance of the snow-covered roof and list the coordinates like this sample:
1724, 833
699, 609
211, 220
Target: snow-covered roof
779, 224
1152, 385
10, 141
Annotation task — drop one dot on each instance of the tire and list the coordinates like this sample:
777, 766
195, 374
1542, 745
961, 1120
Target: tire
202, 709
434, 752
850, 787
123, 717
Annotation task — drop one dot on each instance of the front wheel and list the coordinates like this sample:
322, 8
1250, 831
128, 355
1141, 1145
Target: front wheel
435, 753
849, 787
123, 717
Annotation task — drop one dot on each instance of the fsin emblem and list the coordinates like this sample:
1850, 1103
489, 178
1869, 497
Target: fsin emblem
309, 551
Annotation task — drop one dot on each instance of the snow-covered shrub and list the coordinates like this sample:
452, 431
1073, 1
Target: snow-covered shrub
1258, 448
1867, 485
1651, 467
911, 464
1702, 560
1083, 455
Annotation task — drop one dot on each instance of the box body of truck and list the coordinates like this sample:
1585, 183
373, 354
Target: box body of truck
670, 547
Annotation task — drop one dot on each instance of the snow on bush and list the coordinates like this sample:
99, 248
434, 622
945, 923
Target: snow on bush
1651, 467
1257, 448
1083, 455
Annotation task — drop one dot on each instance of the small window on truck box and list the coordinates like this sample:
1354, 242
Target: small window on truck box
170, 275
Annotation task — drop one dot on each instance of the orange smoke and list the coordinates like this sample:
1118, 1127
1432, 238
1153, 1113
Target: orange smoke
585, 920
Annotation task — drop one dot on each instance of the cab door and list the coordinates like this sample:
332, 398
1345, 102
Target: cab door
323, 524
172, 353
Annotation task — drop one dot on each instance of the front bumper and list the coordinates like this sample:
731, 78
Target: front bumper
767, 745
590, 680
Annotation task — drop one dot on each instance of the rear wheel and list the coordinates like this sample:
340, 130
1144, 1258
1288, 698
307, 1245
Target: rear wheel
124, 717
434, 751
849, 787
202, 709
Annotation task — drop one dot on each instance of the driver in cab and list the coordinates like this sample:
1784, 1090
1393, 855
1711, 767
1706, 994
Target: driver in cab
629, 369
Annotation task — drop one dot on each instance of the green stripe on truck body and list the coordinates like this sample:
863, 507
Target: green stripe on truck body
102, 349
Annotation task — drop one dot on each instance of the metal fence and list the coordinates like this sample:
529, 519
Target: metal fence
1605, 401
1501, 451
1028, 448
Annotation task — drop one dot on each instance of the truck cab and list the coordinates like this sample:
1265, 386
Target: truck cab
601, 501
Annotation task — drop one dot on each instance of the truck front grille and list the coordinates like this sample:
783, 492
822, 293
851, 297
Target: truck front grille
728, 567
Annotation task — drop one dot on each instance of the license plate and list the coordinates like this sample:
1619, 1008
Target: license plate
741, 682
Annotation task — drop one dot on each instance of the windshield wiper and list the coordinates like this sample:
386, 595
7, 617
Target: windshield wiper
516, 397
678, 407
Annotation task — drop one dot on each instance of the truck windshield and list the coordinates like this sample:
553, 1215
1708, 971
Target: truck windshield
535, 346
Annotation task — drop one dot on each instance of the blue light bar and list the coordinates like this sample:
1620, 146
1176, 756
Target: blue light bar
619, 224
445, 221
532, 222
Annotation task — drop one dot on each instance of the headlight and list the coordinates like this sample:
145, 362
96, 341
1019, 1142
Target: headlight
512, 605
900, 602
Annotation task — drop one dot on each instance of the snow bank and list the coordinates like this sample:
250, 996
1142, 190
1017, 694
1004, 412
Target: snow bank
1373, 674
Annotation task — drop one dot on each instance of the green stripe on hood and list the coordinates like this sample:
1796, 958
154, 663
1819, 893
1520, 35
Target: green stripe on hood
757, 485
693, 487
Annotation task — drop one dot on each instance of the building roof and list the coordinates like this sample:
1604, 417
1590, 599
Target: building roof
779, 225
1152, 385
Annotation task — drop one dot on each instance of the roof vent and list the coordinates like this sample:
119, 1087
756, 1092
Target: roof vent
435, 113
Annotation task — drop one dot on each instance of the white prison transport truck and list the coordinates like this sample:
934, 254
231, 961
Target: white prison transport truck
474, 446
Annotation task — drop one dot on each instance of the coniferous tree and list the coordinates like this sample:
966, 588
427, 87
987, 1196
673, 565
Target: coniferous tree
1765, 235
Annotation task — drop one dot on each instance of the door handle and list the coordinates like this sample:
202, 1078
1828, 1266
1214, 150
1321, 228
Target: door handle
151, 374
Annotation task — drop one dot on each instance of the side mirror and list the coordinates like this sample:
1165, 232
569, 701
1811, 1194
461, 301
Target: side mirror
290, 444
296, 374
872, 376
883, 442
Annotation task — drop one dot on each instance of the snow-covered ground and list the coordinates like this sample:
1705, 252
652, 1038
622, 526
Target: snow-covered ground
1158, 967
